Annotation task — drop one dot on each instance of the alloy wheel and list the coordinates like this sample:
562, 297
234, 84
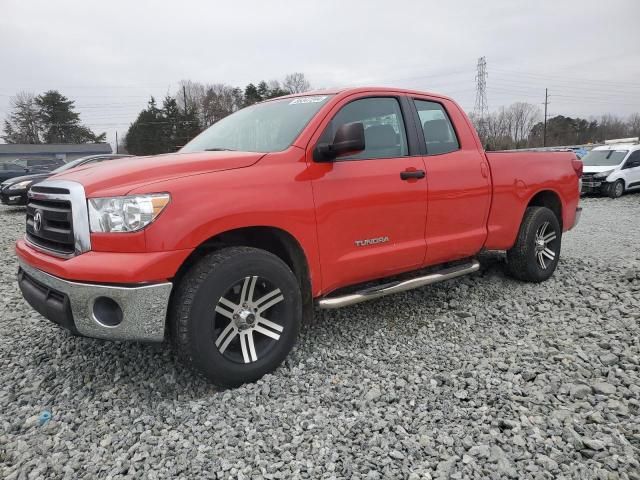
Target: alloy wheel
245, 325
545, 246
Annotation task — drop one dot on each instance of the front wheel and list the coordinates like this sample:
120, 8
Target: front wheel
535, 255
616, 189
236, 315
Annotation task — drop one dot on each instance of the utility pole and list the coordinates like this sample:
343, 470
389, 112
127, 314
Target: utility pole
481, 108
184, 92
546, 103
116, 142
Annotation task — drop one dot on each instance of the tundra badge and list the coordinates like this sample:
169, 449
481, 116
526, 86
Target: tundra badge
371, 241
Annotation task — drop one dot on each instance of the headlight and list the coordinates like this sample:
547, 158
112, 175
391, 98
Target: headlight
602, 174
20, 185
125, 214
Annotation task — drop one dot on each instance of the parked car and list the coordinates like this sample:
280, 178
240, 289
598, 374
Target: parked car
11, 170
612, 169
14, 191
47, 164
337, 197
21, 166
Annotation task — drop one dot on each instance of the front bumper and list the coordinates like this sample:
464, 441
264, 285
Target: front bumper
16, 197
113, 312
593, 186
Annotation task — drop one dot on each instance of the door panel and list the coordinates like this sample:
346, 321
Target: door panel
459, 200
632, 174
366, 200
370, 221
459, 183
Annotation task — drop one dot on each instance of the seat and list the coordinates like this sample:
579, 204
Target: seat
382, 141
437, 134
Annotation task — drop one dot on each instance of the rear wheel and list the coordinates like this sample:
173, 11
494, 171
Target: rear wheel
236, 315
616, 189
535, 255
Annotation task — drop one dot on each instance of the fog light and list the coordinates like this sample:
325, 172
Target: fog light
107, 312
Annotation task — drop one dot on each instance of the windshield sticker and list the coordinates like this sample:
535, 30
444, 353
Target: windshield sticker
314, 99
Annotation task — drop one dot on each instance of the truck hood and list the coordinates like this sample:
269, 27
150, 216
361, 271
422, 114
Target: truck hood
598, 168
118, 177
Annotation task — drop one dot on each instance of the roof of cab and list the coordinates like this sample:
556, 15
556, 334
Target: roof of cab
350, 91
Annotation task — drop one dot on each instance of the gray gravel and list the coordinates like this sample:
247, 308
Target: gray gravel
483, 377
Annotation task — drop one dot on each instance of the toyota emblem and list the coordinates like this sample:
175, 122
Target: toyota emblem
37, 221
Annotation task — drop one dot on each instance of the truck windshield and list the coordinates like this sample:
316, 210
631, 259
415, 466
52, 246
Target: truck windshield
266, 127
604, 158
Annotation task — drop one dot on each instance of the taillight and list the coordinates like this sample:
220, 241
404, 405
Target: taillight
577, 166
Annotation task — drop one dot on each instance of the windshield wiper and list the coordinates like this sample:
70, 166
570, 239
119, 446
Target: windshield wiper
219, 149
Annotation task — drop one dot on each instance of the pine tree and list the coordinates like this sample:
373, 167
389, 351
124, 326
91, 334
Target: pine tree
251, 95
60, 123
145, 135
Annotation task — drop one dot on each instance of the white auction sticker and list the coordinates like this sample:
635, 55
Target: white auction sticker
314, 99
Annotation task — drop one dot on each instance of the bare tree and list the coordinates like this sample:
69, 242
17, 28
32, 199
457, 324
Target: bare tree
23, 124
522, 117
219, 101
296, 83
195, 92
633, 125
611, 126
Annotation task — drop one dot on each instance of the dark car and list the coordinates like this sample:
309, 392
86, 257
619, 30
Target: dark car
14, 190
11, 170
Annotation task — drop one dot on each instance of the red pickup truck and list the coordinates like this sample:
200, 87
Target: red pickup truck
328, 198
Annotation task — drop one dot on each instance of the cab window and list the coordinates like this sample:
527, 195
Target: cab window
384, 131
439, 134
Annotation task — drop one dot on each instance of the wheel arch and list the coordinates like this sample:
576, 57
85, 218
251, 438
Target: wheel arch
274, 240
549, 199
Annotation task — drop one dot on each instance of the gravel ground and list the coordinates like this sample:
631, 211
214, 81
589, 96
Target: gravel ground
483, 377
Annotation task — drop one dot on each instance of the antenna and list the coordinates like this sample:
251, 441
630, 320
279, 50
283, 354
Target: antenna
481, 110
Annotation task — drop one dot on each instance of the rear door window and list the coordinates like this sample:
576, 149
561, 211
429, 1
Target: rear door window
439, 134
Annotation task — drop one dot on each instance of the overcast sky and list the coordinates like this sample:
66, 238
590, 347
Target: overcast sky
110, 56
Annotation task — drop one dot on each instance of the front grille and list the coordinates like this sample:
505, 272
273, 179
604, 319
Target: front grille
55, 232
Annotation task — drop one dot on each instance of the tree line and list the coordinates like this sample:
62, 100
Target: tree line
46, 118
195, 106
521, 125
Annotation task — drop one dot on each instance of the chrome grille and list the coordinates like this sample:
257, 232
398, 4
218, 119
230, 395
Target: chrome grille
57, 221
53, 227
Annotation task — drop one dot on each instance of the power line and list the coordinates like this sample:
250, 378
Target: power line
481, 108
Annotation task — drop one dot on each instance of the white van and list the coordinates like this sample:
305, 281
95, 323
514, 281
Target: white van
613, 168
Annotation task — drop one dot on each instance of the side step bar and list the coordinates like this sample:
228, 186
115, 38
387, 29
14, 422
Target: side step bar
398, 286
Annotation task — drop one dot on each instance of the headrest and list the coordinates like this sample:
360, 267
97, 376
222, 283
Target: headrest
380, 136
436, 131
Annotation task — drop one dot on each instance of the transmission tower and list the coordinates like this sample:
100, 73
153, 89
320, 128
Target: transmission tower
481, 110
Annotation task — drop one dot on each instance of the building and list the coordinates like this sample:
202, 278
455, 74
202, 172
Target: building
10, 153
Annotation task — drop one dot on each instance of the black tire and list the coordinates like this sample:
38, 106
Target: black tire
524, 260
198, 318
616, 189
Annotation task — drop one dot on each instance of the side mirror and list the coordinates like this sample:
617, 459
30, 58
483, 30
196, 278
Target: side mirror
349, 139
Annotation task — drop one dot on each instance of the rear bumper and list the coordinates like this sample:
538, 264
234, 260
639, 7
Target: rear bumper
113, 312
577, 217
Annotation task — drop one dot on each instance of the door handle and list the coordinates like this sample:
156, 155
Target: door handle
409, 174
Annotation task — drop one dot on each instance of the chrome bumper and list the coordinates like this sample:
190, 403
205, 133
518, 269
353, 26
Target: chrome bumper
143, 308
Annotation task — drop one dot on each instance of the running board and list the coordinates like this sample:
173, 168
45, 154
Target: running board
398, 286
